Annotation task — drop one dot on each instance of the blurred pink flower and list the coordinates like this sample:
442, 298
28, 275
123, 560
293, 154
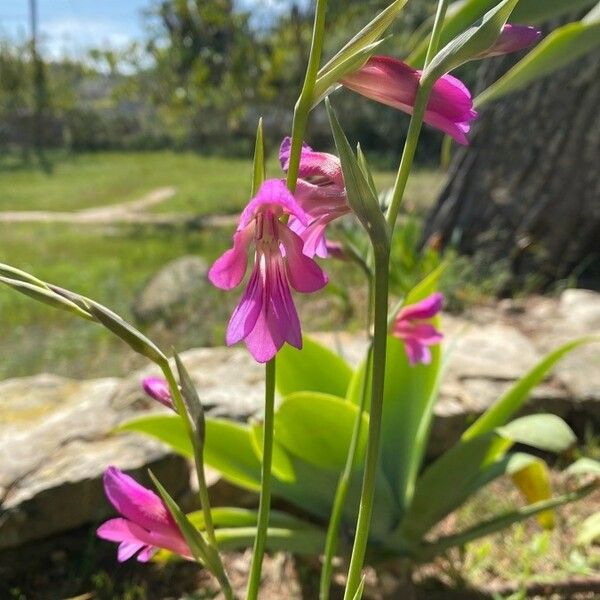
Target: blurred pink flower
266, 317
146, 524
319, 191
394, 83
412, 327
158, 389
512, 39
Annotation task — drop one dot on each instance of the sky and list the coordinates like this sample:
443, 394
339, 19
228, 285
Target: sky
70, 27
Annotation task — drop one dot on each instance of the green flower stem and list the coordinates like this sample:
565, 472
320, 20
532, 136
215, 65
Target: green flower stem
197, 445
305, 101
331, 542
416, 121
436, 32
265, 488
361, 536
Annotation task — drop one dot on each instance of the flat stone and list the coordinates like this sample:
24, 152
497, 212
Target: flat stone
581, 308
494, 351
55, 442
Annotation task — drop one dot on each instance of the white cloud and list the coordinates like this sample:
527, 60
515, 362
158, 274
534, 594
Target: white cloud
73, 36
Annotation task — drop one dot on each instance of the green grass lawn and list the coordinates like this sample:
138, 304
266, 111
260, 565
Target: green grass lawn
112, 263
203, 184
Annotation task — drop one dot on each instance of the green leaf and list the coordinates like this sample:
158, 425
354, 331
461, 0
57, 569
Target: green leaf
539, 11
167, 428
130, 335
359, 590
361, 198
318, 427
470, 43
228, 446
357, 50
297, 541
584, 466
193, 537
589, 530
502, 522
364, 166
14, 273
542, 431
229, 450
46, 296
563, 46
315, 368
409, 396
258, 171
281, 465
514, 398
243, 517
447, 482
193, 406
329, 81
462, 14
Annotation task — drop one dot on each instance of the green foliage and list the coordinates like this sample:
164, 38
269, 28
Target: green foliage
313, 368
312, 433
325, 443
464, 13
468, 44
562, 47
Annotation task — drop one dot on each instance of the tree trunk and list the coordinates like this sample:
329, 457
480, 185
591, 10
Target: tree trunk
527, 189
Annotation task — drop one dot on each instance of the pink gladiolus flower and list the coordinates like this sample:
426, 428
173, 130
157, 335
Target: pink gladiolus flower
158, 389
394, 83
266, 317
512, 39
321, 193
413, 328
146, 524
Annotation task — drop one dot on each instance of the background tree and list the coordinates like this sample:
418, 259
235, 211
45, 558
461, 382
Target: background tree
530, 195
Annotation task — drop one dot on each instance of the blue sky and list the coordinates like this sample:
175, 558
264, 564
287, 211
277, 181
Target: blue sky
71, 26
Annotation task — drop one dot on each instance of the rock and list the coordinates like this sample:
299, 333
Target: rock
55, 442
229, 381
493, 351
581, 308
175, 286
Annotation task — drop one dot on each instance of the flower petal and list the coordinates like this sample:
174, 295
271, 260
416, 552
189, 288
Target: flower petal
278, 321
127, 550
319, 200
425, 309
135, 502
158, 389
416, 352
394, 83
303, 272
228, 271
274, 195
243, 319
513, 38
284, 152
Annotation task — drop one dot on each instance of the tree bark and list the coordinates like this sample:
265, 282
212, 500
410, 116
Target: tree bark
527, 189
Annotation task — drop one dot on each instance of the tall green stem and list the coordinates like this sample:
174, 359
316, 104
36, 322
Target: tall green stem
331, 542
305, 100
416, 121
372, 459
200, 474
265, 488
